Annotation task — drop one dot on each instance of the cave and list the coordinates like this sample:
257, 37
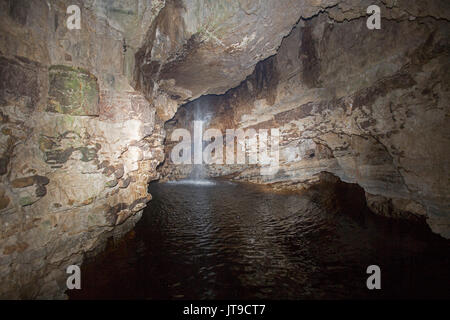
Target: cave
226, 149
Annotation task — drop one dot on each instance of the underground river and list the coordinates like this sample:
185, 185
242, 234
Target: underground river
223, 240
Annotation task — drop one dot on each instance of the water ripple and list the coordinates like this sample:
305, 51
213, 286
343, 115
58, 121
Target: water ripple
217, 240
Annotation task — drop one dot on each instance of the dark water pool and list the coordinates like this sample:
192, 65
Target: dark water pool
234, 241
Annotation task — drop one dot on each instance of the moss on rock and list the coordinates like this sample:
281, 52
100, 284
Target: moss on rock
73, 91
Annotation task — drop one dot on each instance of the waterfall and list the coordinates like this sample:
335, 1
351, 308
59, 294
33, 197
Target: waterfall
198, 171
198, 174
201, 119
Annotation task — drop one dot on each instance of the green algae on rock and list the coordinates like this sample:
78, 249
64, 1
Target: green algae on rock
73, 91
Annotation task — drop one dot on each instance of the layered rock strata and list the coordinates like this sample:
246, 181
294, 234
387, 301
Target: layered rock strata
370, 106
78, 143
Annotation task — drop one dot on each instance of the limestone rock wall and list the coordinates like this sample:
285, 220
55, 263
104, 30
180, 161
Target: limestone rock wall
78, 144
370, 106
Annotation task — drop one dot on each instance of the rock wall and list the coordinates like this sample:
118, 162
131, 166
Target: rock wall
370, 106
78, 144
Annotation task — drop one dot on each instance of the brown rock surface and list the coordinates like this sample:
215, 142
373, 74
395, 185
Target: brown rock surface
66, 106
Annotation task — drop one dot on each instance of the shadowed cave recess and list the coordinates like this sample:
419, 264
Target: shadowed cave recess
88, 117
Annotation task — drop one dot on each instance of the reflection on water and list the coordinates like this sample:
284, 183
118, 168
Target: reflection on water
233, 241
193, 182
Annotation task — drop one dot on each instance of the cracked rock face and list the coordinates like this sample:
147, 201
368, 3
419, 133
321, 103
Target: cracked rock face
78, 143
198, 47
82, 112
